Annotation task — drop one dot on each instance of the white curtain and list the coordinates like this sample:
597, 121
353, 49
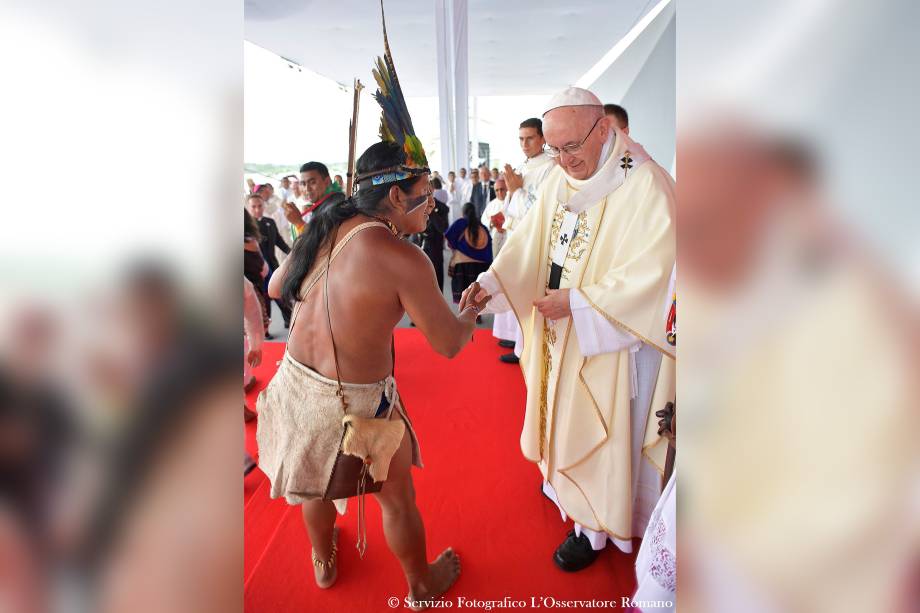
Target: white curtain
451, 25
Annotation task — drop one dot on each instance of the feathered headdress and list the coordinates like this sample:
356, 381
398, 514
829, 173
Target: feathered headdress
395, 123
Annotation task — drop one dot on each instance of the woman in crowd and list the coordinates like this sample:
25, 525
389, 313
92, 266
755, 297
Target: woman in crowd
255, 268
431, 240
472, 248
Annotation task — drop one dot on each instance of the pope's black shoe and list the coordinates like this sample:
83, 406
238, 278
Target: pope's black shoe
509, 358
574, 553
506, 344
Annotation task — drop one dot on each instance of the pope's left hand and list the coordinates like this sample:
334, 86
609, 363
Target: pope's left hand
555, 305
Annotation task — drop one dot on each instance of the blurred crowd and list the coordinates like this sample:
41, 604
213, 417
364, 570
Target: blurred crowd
97, 404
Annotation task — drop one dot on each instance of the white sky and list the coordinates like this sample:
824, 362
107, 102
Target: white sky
292, 117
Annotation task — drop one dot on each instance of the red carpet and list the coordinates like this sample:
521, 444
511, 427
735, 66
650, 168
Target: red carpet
476, 493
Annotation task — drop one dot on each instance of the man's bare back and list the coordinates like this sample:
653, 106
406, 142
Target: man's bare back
374, 280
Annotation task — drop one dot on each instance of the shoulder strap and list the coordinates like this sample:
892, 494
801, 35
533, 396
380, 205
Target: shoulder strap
312, 280
309, 282
335, 354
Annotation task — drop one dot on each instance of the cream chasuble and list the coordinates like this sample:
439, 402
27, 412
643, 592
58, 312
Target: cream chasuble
617, 248
517, 205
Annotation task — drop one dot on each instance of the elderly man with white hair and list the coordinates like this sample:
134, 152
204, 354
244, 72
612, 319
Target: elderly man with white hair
494, 218
587, 274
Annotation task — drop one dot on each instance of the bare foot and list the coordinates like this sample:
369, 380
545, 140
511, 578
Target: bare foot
326, 571
442, 573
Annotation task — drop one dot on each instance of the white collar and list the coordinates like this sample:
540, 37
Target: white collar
609, 175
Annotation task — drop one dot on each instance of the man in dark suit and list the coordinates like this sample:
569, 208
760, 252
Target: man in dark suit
432, 239
487, 177
482, 192
270, 237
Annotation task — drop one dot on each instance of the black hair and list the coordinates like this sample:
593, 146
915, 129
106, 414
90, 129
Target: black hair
318, 167
473, 224
617, 111
436, 183
367, 201
534, 122
250, 227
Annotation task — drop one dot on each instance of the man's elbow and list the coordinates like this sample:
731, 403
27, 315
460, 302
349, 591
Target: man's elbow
450, 350
274, 287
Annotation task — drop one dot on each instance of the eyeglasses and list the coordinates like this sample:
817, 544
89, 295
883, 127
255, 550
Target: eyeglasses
571, 149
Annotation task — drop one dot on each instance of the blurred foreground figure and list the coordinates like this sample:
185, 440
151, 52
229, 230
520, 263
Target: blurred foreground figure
36, 436
798, 392
154, 541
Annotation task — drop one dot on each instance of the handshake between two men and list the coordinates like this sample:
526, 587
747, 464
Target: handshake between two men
554, 305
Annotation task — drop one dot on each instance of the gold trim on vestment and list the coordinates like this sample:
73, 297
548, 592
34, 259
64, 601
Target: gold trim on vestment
601, 527
660, 438
546, 367
597, 409
596, 447
552, 425
650, 459
627, 328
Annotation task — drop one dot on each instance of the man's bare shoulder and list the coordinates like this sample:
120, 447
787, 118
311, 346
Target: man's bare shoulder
393, 253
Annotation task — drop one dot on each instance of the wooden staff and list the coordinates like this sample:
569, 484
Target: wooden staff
352, 138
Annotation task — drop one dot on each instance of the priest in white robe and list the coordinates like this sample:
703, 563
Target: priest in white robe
493, 217
586, 275
523, 185
460, 193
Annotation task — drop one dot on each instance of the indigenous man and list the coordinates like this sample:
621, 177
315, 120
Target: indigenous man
586, 274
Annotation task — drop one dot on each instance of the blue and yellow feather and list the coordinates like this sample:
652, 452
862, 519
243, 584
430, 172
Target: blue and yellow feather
395, 122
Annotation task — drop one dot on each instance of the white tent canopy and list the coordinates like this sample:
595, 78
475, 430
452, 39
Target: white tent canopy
516, 49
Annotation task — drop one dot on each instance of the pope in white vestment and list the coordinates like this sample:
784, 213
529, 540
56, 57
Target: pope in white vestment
586, 275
